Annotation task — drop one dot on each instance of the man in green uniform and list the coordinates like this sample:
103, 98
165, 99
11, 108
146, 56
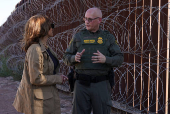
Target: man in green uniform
93, 52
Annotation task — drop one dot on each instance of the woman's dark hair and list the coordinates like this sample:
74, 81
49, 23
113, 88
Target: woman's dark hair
36, 27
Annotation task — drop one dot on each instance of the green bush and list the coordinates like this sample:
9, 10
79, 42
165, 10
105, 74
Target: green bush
5, 71
17, 74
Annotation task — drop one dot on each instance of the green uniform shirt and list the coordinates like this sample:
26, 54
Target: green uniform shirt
114, 59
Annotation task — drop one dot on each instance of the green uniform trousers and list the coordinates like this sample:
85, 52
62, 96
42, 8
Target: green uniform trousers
96, 97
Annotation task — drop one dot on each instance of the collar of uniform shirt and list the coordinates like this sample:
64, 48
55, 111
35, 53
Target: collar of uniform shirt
98, 31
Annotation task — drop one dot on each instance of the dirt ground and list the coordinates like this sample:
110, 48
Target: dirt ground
8, 89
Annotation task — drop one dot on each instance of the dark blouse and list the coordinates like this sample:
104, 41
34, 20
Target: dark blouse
55, 61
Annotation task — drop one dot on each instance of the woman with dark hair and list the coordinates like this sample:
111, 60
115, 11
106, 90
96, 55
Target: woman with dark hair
37, 92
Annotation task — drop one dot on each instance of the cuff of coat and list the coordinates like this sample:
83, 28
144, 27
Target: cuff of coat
108, 60
72, 59
59, 79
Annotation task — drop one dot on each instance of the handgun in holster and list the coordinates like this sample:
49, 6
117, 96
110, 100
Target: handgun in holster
71, 79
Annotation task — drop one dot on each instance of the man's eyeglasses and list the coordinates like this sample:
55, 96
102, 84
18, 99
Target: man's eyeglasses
89, 19
52, 25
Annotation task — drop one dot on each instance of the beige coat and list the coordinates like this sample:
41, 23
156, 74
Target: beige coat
37, 93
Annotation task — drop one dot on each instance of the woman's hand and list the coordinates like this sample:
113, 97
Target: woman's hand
64, 78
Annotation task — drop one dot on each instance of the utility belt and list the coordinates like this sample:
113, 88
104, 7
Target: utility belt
87, 79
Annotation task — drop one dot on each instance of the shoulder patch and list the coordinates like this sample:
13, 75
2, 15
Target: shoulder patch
71, 41
116, 42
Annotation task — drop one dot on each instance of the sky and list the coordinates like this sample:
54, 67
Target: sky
6, 7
